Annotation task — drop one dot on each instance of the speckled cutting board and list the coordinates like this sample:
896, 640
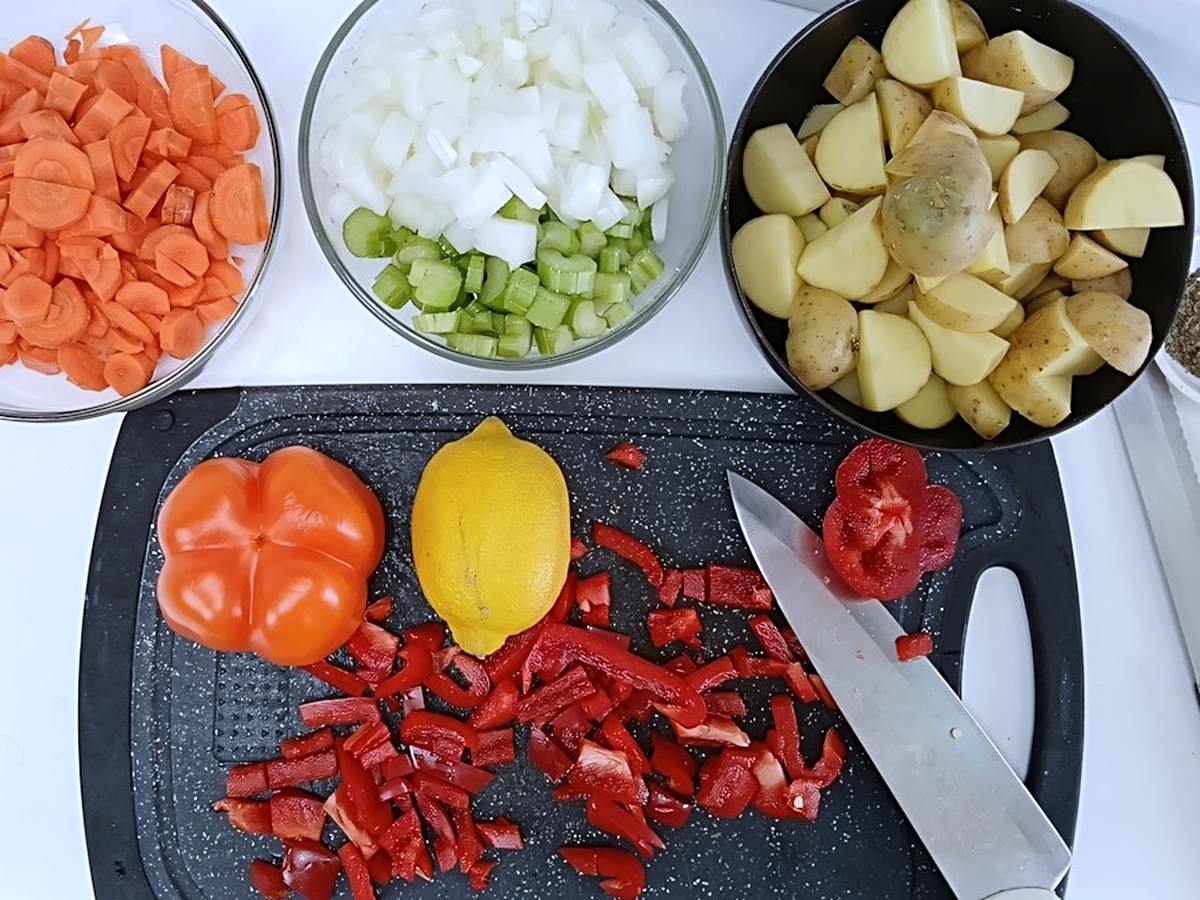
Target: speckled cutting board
161, 719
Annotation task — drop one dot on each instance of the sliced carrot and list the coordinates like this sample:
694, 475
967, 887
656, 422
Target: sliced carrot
104, 170
10, 119
237, 122
8, 332
36, 257
82, 366
239, 205
123, 320
18, 266
149, 247
178, 205
6, 264
72, 51
27, 300
219, 152
211, 168
9, 354
218, 246
192, 110
117, 341
182, 333
139, 175
174, 62
174, 272
167, 143
8, 160
46, 205
152, 350
128, 139
65, 321
102, 116
230, 277
131, 58
5, 187
19, 234
37, 53
141, 296
90, 36
216, 310
113, 76
39, 359
48, 123
149, 190
84, 249
190, 176
104, 275
153, 101
187, 297
127, 373
15, 70
98, 324
184, 250
214, 289
53, 259
64, 94
43, 159
103, 218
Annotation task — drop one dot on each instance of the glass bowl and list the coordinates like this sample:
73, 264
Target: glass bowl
194, 29
698, 161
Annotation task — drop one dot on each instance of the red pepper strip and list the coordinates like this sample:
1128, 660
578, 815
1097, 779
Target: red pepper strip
310, 869
621, 640
818, 684
681, 665
623, 875
418, 665
472, 670
500, 834
339, 808
695, 584
805, 799
379, 610
357, 872
397, 767
430, 635
507, 661
469, 846
599, 771
396, 787
829, 766
674, 763
794, 645
267, 879
771, 639
547, 755
424, 785
459, 774
250, 816
367, 737
787, 734
629, 548
578, 549
667, 809
380, 867
614, 733
496, 748
797, 679
726, 783
566, 600
571, 726
913, 646
306, 745
373, 648
378, 755
755, 666
338, 678
712, 674
283, 773
726, 703
362, 795
619, 691
669, 625
771, 797
297, 814
499, 708
480, 875
623, 822
412, 699
338, 712
400, 834
436, 732
548, 700
445, 845
559, 643
627, 454
715, 731
596, 610
448, 690
738, 587
668, 592
246, 780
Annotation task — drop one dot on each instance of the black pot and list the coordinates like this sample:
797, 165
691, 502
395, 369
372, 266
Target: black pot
1115, 102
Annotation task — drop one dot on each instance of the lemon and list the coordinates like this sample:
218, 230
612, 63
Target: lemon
491, 535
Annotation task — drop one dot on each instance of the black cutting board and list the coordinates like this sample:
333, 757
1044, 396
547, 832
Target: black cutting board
160, 720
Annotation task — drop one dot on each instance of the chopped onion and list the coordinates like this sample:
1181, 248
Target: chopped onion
658, 220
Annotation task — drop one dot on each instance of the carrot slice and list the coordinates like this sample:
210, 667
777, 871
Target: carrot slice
149, 247
39, 359
178, 205
18, 266
128, 139
103, 218
209, 167
26, 300
217, 246
5, 267
152, 350
104, 274
230, 277
174, 62
65, 321
15, 70
10, 119
37, 262
8, 160
122, 319
237, 122
72, 51
187, 297
43, 159
104, 170
48, 123
82, 366
149, 190
239, 205
216, 311
184, 250
9, 353
64, 94
8, 332
114, 76
190, 176
102, 116
98, 324
53, 258
90, 36
128, 373
192, 110
153, 101
37, 53
117, 341
19, 234
167, 143
173, 272
219, 153
141, 296
182, 333
46, 205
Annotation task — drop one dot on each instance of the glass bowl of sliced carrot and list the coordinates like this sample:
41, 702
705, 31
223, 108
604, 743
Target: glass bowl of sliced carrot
139, 194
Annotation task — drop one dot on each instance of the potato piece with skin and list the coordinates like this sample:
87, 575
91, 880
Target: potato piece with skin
765, 253
850, 154
1018, 61
1039, 236
1076, 160
965, 303
1014, 321
837, 211
779, 176
930, 409
1124, 193
969, 32
903, 110
809, 146
1042, 300
1129, 242
981, 408
937, 128
854, 74
897, 305
1051, 282
987, 108
849, 259
919, 47
958, 357
1118, 331
822, 344
894, 280
1085, 260
992, 264
893, 360
999, 152
1024, 179
1119, 283
811, 227
848, 389
1023, 278
816, 120
1047, 118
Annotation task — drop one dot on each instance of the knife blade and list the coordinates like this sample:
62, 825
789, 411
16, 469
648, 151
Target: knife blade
983, 829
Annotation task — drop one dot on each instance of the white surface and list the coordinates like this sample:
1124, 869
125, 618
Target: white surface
1141, 788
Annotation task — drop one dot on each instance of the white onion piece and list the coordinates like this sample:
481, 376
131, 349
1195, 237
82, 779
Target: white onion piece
670, 117
630, 136
644, 60
489, 194
654, 187
609, 84
517, 181
658, 220
514, 242
583, 190
610, 212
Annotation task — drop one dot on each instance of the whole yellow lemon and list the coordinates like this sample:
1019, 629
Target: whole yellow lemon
491, 535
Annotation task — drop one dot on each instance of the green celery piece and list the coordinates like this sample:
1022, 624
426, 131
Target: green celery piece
447, 249
516, 209
567, 275
473, 279
634, 215
392, 287
591, 240
647, 229
473, 344
621, 230
483, 322
517, 325
583, 320
417, 248
438, 283
494, 281
364, 233
403, 236
437, 323
637, 243
645, 268
520, 292
548, 309
517, 338
613, 288
557, 236
618, 313
611, 260
553, 341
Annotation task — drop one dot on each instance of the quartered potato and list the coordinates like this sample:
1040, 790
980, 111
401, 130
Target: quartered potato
1022, 278
1015, 60
849, 259
1124, 193
992, 263
1118, 331
1049, 116
1024, 179
1076, 160
930, 408
1041, 300
897, 304
850, 153
1119, 283
999, 152
969, 32
849, 389
987, 108
811, 226
965, 303
1129, 242
1039, 236
1085, 260
958, 357
816, 120
1014, 321
822, 344
903, 110
920, 46
894, 280
765, 252
981, 408
837, 211
779, 176
893, 360
854, 74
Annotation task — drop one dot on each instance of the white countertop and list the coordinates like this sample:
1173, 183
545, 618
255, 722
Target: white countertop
1141, 781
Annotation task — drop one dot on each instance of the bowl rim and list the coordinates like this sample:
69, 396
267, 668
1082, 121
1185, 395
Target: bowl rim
691, 259
168, 384
780, 365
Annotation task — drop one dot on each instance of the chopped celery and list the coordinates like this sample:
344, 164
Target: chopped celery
473, 279
482, 322
553, 341
636, 243
644, 268
517, 338
613, 288
516, 209
567, 275
403, 235
368, 235
473, 344
611, 260
447, 248
495, 279
583, 320
520, 292
438, 284
635, 215
621, 230
548, 309
437, 323
591, 240
557, 236
392, 287
618, 313
417, 248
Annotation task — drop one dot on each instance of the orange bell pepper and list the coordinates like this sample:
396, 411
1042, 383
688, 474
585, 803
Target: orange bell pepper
271, 557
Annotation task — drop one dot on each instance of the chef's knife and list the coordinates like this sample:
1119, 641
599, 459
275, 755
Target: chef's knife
984, 831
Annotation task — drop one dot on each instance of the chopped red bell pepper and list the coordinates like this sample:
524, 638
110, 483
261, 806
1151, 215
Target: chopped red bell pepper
622, 874
357, 872
283, 773
667, 809
794, 645
681, 665
547, 701
771, 796
361, 797
445, 844
621, 640
480, 874
913, 646
378, 755
942, 517
507, 661
397, 767
246, 780
418, 666
297, 814
373, 648
805, 799
469, 846
346, 817
695, 584
614, 733
425, 785
566, 600
431, 635
771, 639
625, 822
498, 708
473, 672
755, 666
342, 711
726, 703
393, 788
379, 610
306, 744
674, 763
639, 705
310, 869
547, 755
496, 748
250, 816
578, 549
739, 588
444, 735
267, 879
629, 548
398, 837
727, 783
787, 735
669, 590
669, 625
715, 731
338, 678
593, 596
571, 726
626, 454
380, 867
449, 691
412, 699
818, 684
366, 737
599, 771
500, 834
797, 680
712, 674
562, 643
469, 778
829, 767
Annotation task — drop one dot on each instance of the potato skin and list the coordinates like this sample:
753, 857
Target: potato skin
822, 344
1075, 156
854, 74
1039, 236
